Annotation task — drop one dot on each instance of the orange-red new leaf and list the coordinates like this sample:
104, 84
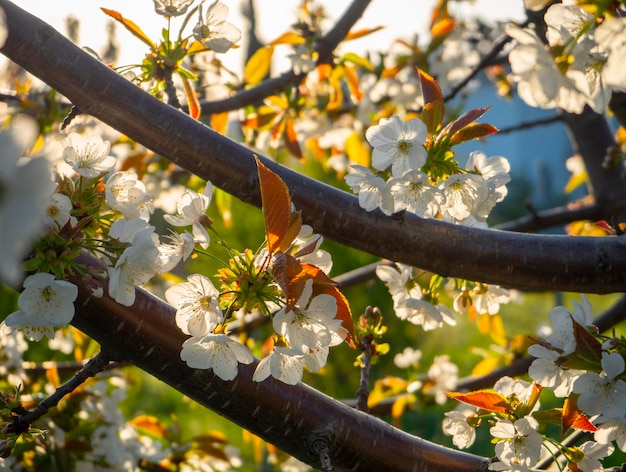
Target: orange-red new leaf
192, 99
485, 399
276, 205
472, 131
573, 417
430, 88
130, 26
362, 32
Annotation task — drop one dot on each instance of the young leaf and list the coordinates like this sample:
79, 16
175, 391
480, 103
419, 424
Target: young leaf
432, 115
357, 60
192, 99
276, 204
130, 26
291, 139
472, 131
485, 399
430, 88
362, 32
288, 38
258, 65
573, 417
587, 346
464, 120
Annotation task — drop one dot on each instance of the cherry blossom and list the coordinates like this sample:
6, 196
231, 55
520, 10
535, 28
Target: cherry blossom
520, 443
127, 194
371, 189
170, 8
191, 208
592, 453
44, 304
612, 430
57, 213
456, 425
398, 144
283, 363
89, 158
311, 324
414, 193
197, 305
214, 31
603, 394
217, 352
135, 267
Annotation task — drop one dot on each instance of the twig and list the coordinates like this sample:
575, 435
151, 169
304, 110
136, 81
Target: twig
362, 393
324, 46
530, 124
549, 218
94, 366
485, 61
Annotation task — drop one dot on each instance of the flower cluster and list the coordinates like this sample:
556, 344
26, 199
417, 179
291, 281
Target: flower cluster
463, 197
576, 364
582, 64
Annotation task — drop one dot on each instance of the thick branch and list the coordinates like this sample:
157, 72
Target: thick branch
294, 418
529, 262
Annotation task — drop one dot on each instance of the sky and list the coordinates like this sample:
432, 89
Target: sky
401, 19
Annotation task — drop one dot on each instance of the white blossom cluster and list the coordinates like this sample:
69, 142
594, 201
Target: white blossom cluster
600, 395
463, 198
582, 64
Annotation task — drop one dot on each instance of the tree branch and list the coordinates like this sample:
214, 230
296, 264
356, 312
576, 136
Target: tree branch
551, 218
529, 262
324, 46
294, 418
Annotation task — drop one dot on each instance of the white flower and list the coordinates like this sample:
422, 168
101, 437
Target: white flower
399, 144
546, 372
284, 363
191, 208
44, 304
135, 267
540, 83
302, 60
494, 170
178, 249
456, 425
593, 451
409, 357
442, 377
126, 194
603, 393
307, 249
424, 314
461, 192
521, 443
399, 281
217, 352
89, 158
371, 189
611, 38
214, 31
58, 210
612, 430
312, 327
197, 305
414, 193
25, 189
126, 231
170, 8
489, 299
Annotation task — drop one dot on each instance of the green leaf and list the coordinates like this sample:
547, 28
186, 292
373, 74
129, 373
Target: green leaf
357, 60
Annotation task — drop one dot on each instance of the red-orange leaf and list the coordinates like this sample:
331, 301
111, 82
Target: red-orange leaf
276, 206
432, 115
430, 88
192, 99
130, 26
587, 346
473, 131
464, 120
291, 139
485, 399
573, 417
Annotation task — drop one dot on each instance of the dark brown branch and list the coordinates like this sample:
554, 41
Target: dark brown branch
297, 419
551, 218
324, 46
529, 262
530, 124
